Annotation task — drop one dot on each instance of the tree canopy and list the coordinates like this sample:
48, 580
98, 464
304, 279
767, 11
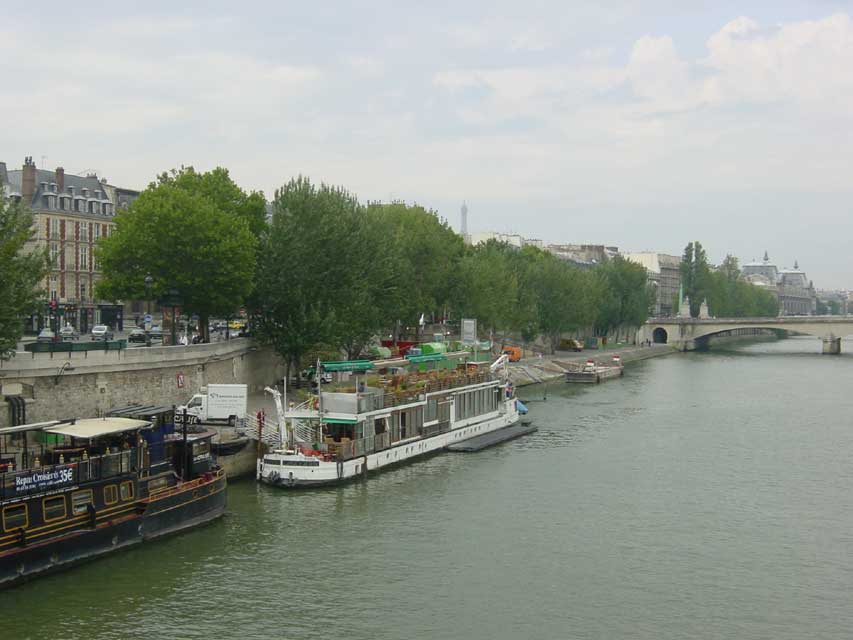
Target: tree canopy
186, 242
21, 272
323, 276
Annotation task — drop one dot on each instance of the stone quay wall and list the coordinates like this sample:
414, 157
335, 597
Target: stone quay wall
89, 383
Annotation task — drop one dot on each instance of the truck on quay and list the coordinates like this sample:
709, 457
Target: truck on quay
218, 403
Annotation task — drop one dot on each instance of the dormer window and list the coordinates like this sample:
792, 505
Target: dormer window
85, 192
71, 190
53, 187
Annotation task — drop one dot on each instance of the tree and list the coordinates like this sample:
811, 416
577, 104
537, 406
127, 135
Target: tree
626, 296
565, 297
186, 243
323, 279
426, 252
695, 275
21, 272
218, 187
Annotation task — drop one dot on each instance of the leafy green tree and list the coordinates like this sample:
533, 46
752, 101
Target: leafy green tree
323, 279
218, 187
21, 272
565, 297
426, 253
625, 296
695, 276
487, 285
185, 242
730, 296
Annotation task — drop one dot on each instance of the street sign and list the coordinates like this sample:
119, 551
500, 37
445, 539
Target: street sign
469, 330
146, 317
180, 380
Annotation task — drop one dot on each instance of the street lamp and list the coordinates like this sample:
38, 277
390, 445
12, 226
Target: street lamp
148, 281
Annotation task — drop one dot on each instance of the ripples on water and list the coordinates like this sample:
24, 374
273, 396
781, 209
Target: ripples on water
702, 496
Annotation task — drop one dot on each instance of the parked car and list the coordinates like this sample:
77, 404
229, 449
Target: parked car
156, 333
101, 332
45, 335
68, 332
136, 335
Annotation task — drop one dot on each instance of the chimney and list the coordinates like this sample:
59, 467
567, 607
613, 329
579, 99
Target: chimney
28, 181
60, 179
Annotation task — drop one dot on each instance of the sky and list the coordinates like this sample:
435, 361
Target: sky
643, 125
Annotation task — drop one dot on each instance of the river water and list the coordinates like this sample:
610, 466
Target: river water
701, 496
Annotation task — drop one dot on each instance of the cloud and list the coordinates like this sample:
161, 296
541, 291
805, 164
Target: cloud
529, 40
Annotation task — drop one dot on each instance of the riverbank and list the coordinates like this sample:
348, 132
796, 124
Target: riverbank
551, 367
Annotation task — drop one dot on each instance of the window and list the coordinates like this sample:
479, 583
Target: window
84, 231
80, 500
157, 484
15, 517
54, 227
127, 490
96, 230
82, 291
84, 257
110, 494
54, 252
53, 508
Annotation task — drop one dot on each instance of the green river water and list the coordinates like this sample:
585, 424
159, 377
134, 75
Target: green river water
701, 496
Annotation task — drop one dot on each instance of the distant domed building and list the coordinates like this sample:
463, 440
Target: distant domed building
795, 292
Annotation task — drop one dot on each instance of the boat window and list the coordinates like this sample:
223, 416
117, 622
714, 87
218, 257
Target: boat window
431, 409
79, 501
110, 494
200, 448
157, 484
299, 463
15, 517
53, 508
272, 461
127, 490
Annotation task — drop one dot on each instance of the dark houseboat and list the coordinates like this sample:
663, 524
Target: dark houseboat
74, 490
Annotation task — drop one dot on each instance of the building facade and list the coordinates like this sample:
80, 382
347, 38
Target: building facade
664, 274
71, 214
795, 292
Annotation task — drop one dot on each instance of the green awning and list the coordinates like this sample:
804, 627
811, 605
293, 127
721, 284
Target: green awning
338, 420
432, 357
347, 365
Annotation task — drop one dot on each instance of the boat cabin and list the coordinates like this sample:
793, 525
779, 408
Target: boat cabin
60, 476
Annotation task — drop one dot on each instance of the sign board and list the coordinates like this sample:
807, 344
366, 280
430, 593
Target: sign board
469, 330
191, 419
40, 479
180, 380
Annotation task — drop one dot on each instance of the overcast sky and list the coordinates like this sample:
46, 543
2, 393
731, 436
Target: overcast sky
611, 124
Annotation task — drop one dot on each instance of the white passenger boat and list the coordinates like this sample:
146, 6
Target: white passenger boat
382, 413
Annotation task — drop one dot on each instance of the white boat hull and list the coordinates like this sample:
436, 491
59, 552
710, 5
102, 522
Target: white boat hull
295, 470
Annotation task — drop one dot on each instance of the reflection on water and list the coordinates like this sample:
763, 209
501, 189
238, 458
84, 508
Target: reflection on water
703, 495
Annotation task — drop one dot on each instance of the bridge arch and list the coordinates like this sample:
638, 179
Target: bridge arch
660, 336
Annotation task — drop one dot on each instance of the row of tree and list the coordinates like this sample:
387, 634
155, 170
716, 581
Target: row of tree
728, 294
329, 271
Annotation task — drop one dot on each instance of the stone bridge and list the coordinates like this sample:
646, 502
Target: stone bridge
687, 334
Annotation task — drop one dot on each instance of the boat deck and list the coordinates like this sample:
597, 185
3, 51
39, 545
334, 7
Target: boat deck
494, 437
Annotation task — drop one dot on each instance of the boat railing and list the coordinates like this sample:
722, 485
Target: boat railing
165, 492
48, 477
419, 388
355, 448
